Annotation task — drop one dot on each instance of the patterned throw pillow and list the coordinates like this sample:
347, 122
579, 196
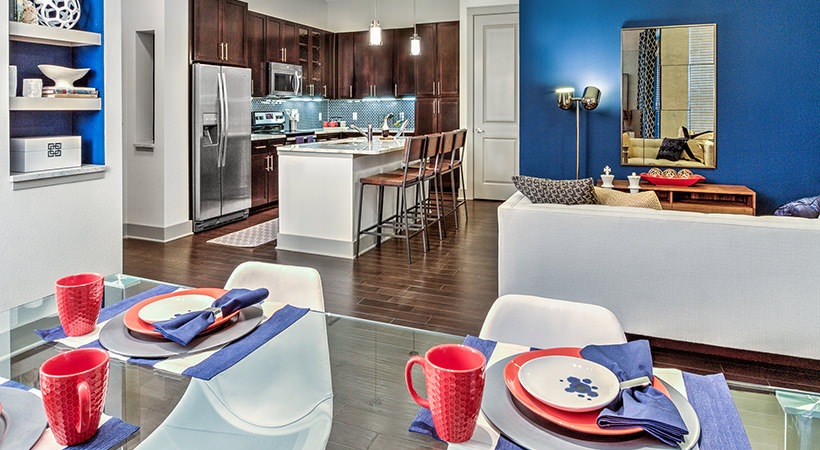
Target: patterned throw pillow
565, 192
611, 197
808, 207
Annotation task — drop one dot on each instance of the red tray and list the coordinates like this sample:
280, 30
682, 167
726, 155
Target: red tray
664, 181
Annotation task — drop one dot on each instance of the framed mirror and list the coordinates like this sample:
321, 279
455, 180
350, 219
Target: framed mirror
668, 105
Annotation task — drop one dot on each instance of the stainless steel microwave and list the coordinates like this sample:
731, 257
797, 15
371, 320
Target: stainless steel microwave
284, 80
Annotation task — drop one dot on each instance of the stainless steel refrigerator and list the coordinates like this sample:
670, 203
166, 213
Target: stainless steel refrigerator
221, 137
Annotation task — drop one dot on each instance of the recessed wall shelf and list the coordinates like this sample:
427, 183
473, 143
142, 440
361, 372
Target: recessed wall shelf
54, 104
57, 176
25, 32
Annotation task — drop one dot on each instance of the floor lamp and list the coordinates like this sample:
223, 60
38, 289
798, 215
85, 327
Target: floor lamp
589, 100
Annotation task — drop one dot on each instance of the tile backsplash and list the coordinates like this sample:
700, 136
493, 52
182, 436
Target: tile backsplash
367, 111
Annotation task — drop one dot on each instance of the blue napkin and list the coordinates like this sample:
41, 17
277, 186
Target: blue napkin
643, 407
183, 328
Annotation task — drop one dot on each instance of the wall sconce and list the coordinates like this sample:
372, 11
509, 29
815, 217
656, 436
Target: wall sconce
375, 28
590, 100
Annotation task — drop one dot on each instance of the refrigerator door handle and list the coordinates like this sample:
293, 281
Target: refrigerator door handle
223, 117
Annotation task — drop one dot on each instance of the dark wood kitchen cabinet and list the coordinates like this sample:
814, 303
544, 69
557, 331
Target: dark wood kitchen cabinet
281, 41
313, 60
437, 65
255, 51
373, 71
436, 114
218, 31
344, 64
437, 78
404, 64
264, 172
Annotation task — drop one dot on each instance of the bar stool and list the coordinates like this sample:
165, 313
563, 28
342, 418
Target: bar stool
409, 220
453, 158
432, 196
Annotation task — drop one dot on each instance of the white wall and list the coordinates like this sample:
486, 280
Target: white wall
48, 232
307, 12
355, 15
156, 182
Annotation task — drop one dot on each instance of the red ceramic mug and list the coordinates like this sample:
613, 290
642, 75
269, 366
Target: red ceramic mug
455, 383
73, 386
79, 298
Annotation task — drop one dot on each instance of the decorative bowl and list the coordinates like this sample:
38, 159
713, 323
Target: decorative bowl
666, 181
64, 77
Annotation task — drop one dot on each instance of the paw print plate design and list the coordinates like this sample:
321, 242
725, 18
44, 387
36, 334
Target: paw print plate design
569, 384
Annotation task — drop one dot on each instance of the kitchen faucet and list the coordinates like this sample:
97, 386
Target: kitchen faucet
368, 134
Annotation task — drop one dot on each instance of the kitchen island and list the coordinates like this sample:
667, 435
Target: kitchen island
319, 193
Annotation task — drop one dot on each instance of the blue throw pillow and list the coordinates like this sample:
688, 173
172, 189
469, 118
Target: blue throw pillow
808, 207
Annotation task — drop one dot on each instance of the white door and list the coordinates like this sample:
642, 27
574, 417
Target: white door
494, 74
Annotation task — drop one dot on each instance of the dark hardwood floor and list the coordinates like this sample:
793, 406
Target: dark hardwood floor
449, 289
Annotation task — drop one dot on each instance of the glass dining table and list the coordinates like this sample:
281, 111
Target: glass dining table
371, 406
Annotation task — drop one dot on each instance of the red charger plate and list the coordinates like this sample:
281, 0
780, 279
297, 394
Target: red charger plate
584, 422
134, 323
672, 181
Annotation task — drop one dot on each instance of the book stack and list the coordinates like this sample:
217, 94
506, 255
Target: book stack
74, 92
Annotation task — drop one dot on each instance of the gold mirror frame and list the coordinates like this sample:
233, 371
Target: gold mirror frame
668, 96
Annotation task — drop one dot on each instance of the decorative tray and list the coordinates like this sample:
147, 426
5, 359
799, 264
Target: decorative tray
667, 181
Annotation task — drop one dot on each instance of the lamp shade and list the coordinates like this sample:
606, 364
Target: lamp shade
375, 33
565, 97
591, 97
415, 44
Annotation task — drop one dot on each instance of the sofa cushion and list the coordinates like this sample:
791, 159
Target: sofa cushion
808, 207
672, 148
611, 197
565, 192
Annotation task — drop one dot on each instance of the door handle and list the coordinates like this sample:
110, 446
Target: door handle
282, 54
226, 51
285, 58
351, 91
479, 130
324, 90
395, 89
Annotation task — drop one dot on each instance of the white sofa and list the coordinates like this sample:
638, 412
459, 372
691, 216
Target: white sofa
733, 281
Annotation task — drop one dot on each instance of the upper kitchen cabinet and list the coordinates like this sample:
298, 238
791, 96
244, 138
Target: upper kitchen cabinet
282, 41
437, 65
404, 64
218, 31
344, 64
255, 51
373, 71
312, 59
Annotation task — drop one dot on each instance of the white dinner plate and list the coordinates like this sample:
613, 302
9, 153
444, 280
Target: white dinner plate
570, 384
167, 308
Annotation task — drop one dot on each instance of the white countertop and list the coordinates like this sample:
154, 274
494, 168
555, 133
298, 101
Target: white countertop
263, 136
349, 146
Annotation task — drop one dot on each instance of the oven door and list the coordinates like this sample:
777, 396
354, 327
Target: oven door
285, 80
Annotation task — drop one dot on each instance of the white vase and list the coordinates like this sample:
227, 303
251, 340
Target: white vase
58, 14
634, 183
606, 181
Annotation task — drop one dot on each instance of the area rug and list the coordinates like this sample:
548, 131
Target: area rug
250, 237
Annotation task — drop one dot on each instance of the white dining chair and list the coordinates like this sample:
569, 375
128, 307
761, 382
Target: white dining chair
295, 285
280, 396
546, 322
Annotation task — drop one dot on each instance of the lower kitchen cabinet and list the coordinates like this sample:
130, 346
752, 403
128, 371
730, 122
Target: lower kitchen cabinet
264, 172
436, 114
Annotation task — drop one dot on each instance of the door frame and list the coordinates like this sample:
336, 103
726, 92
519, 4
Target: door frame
470, 9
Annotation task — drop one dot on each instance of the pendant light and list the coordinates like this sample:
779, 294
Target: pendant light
375, 28
415, 40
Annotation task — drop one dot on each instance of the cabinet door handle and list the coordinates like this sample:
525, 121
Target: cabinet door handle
286, 55
351, 91
282, 54
324, 90
395, 90
226, 51
270, 163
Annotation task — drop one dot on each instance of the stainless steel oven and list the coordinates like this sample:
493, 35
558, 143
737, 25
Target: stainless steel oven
285, 80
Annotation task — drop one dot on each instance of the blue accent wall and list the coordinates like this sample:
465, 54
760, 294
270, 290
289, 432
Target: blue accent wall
768, 101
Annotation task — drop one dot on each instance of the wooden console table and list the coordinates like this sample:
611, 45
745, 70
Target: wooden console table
702, 197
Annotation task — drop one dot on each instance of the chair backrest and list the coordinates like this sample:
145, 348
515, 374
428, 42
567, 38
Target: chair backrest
415, 152
545, 322
434, 148
295, 285
448, 145
458, 145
